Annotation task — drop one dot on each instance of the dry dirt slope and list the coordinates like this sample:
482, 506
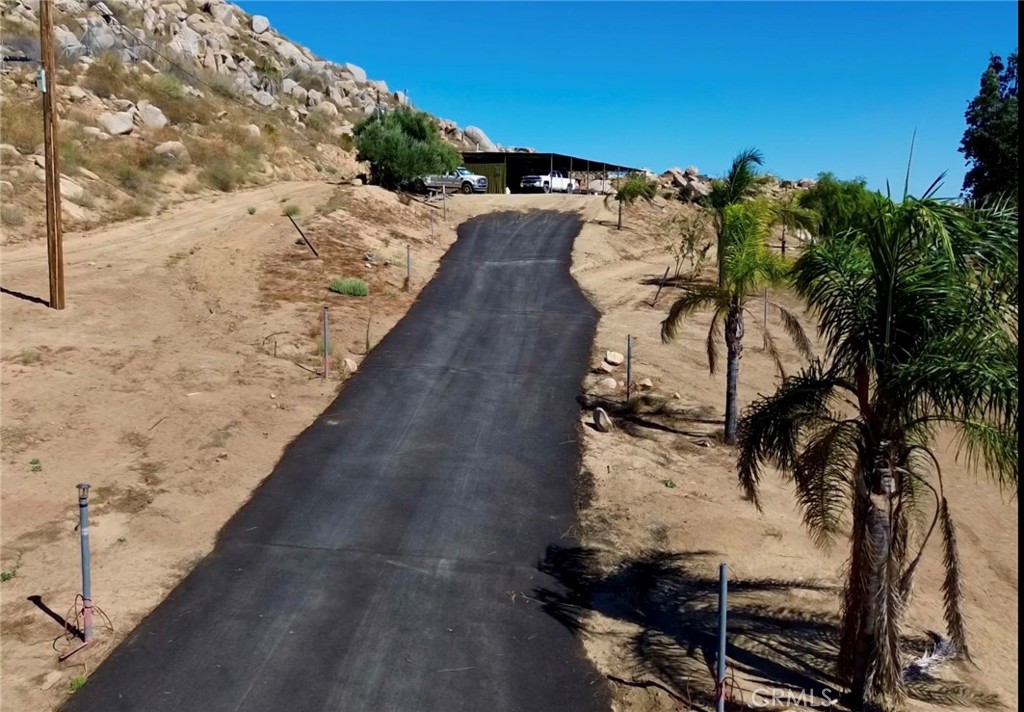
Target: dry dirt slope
184, 363
665, 510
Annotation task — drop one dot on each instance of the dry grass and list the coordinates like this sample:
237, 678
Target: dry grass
106, 77
12, 216
20, 125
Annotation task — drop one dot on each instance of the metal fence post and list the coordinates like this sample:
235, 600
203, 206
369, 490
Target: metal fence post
723, 606
326, 347
629, 365
661, 285
83, 535
408, 268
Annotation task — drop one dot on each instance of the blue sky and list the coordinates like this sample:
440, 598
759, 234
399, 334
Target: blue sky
837, 86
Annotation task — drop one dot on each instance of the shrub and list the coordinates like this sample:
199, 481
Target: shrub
222, 174
71, 157
317, 121
401, 146
168, 85
12, 216
105, 77
132, 208
22, 122
291, 210
251, 210
168, 93
131, 179
351, 287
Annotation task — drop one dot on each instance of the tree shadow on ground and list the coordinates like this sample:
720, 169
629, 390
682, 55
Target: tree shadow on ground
673, 599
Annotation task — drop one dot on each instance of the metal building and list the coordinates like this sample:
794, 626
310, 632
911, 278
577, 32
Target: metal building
506, 168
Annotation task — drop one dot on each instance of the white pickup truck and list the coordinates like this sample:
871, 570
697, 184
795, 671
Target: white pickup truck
547, 182
460, 179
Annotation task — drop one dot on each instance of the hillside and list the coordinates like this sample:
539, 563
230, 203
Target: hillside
163, 101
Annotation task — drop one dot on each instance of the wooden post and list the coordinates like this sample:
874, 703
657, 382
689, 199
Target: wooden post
661, 285
54, 228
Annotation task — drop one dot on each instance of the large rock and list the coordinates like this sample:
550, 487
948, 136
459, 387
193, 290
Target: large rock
99, 37
358, 73
313, 97
151, 116
263, 98
173, 151
327, 108
260, 24
225, 15
76, 93
117, 124
253, 130
677, 177
67, 44
692, 171
479, 138
188, 42
287, 85
70, 189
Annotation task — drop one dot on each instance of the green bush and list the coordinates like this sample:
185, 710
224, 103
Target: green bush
291, 210
222, 174
841, 205
351, 287
106, 76
401, 146
168, 86
317, 121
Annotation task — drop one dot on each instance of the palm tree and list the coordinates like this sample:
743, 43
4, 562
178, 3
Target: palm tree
917, 308
748, 266
790, 215
633, 188
738, 185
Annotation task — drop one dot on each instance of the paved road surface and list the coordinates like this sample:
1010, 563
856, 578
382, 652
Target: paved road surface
382, 567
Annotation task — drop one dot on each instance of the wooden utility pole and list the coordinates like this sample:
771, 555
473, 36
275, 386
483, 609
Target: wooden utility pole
51, 155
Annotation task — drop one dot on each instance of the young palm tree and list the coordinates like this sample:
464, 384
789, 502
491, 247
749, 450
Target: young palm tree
917, 308
738, 185
791, 216
632, 189
748, 266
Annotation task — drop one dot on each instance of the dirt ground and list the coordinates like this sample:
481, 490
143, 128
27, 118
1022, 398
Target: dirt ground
186, 360
664, 511
189, 357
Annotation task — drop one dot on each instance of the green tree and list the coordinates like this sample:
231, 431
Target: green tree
917, 310
401, 146
747, 267
633, 188
989, 144
791, 216
840, 205
739, 184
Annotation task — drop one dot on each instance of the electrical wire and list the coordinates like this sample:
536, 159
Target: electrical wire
74, 623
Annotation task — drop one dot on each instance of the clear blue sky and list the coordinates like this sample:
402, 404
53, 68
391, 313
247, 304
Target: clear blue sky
835, 86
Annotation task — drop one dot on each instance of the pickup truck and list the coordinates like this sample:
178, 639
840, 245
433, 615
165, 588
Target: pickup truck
547, 182
460, 179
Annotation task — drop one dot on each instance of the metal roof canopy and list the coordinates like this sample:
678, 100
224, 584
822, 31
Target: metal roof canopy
545, 161
519, 163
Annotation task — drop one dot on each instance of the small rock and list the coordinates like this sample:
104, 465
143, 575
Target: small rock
272, 396
614, 358
370, 257
86, 173
602, 422
703, 443
676, 396
350, 365
607, 384
645, 384
605, 367
76, 93
253, 130
6, 187
260, 24
51, 679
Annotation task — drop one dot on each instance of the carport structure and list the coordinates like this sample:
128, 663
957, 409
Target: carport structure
507, 168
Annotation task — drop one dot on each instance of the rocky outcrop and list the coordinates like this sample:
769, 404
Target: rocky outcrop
476, 136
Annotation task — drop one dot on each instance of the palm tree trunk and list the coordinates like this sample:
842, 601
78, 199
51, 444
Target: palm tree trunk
734, 350
620, 215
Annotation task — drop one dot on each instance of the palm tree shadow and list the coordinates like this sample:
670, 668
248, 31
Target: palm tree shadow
673, 599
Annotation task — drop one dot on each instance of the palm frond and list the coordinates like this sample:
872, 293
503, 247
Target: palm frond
795, 330
714, 336
691, 301
770, 429
822, 477
769, 344
952, 584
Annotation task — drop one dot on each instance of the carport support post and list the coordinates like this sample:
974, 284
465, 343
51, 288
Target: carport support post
723, 606
326, 346
444, 201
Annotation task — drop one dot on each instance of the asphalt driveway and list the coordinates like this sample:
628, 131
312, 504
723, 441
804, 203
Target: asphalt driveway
387, 563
